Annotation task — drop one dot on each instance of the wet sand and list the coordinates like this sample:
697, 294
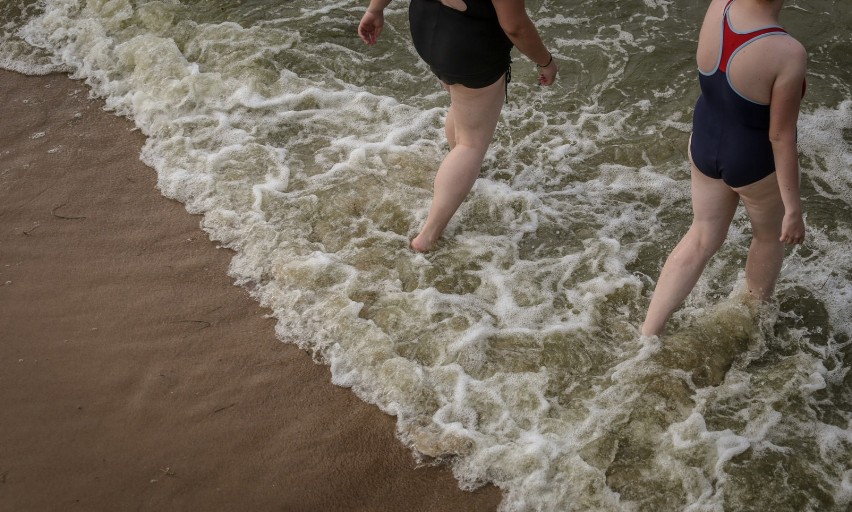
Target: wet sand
133, 374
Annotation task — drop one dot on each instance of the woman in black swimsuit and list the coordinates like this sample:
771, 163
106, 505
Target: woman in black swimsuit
466, 43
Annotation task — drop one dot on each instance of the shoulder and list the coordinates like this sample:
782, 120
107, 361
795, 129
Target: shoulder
713, 16
790, 65
717, 7
794, 55
795, 49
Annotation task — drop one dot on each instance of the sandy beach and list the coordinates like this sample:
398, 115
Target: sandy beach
133, 374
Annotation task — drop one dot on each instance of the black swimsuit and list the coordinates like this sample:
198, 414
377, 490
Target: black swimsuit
461, 47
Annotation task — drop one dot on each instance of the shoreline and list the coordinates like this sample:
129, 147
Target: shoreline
133, 373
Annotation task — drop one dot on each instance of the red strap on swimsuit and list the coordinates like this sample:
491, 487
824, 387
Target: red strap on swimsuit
732, 41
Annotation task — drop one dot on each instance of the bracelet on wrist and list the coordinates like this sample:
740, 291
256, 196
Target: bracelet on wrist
548, 62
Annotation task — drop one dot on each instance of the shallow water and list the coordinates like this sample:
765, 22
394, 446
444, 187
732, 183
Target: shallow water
512, 351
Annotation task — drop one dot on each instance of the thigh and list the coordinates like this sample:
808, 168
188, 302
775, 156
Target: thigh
713, 205
765, 208
476, 112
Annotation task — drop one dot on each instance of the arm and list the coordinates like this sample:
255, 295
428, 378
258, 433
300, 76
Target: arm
520, 29
783, 114
373, 21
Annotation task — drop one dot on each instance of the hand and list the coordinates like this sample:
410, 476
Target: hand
792, 229
547, 74
371, 26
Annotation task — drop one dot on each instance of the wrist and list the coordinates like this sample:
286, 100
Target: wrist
377, 7
548, 63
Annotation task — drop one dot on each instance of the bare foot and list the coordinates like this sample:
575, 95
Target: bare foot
648, 332
420, 244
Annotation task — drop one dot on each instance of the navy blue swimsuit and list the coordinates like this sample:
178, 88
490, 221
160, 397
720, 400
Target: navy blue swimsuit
730, 133
461, 47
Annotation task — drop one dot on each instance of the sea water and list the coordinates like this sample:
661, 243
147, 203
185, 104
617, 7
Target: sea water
511, 352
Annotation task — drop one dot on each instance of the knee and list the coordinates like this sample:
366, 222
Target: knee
708, 241
698, 246
478, 140
472, 147
766, 236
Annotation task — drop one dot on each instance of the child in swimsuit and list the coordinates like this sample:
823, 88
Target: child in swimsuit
743, 147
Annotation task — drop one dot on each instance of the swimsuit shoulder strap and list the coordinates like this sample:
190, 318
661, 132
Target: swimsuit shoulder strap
733, 41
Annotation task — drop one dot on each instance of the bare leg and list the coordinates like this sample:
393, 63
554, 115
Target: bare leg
449, 123
471, 123
713, 208
766, 254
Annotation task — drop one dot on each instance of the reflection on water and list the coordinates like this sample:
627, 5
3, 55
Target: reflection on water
511, 352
